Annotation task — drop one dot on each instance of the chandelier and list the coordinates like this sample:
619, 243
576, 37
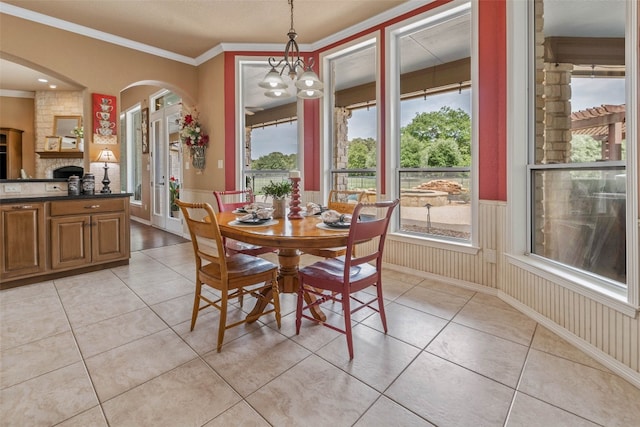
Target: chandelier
307, 83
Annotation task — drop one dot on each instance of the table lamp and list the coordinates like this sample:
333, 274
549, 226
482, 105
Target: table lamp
106, 156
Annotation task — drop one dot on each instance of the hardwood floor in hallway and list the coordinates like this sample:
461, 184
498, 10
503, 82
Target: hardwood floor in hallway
148, 237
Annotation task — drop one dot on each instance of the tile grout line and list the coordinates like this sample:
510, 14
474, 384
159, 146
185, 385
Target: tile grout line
82, 359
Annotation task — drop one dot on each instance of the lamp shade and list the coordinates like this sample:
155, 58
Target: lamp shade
107, 156
273, 80
310, 93
277, 93
309, 81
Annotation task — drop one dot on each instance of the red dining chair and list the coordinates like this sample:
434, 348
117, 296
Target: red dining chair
232, 275
338, 279
343, 201
235, 199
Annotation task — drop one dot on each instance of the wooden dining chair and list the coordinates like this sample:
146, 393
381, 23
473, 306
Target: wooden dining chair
338, 279
228, 201
233, 275
343, 201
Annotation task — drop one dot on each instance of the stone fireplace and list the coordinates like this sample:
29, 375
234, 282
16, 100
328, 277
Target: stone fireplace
66, 171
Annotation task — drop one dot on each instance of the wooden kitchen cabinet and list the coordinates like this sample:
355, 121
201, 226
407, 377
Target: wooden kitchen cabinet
23, 240
85, 232
10, 153
44, 238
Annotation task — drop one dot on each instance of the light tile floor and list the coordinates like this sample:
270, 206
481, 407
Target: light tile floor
114, 348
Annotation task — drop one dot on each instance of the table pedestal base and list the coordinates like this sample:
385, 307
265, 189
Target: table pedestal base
288, 283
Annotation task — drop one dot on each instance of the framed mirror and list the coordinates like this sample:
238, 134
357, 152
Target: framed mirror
63, 125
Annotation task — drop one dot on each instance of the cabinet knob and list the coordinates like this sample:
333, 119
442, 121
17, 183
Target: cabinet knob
92, 207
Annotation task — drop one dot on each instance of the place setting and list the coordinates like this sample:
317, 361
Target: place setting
334, 220
252, 218
314, 209
247, 209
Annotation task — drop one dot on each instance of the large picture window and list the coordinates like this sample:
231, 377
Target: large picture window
433, 140
131, 163
269, 129
354, 118
577, 159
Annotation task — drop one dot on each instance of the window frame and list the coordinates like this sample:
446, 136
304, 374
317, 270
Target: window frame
520, 110
132, 152
392, 64
327, 165
242, 173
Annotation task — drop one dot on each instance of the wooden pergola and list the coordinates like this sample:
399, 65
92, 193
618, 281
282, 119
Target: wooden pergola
606, 124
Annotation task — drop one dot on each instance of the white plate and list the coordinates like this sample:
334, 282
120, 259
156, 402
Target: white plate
324, 226
237, 223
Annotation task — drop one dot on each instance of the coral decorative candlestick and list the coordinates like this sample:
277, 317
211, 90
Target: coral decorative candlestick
294, 206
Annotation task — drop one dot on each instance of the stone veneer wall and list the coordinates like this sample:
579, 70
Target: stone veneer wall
341, 118
47, 105
552, 144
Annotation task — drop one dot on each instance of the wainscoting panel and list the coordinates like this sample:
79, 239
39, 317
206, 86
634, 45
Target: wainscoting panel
605, 328
593, 324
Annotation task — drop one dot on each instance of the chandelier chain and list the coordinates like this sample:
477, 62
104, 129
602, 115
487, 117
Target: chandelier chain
292, 29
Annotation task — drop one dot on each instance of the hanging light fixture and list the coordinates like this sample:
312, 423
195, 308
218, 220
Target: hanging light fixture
307, 83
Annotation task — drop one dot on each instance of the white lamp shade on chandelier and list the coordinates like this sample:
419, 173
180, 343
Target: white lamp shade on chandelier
307, 82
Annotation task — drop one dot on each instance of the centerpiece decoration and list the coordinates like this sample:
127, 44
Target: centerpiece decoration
278, 191
194, 137
174, 194
78, 131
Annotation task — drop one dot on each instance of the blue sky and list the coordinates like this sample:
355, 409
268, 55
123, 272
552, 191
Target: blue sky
586, 93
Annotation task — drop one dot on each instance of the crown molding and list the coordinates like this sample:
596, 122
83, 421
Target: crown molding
216, 50
19, 12
369, 23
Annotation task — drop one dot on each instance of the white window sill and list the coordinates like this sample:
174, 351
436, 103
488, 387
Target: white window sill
594, 289
466, 248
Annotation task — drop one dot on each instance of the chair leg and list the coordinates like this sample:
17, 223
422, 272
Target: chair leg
346, 309
383, 316
223, 319
196, 304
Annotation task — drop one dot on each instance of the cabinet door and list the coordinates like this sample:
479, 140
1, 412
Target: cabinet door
70, 241
110, 237
23, 240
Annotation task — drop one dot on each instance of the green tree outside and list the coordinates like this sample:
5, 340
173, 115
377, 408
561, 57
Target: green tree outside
362, 153
427, 133
275, 160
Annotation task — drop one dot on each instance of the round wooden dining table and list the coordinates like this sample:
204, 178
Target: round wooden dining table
290, 237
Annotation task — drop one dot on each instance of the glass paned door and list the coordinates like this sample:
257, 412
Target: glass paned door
166, 174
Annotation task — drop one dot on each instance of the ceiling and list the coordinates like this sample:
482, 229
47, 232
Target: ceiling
164, 25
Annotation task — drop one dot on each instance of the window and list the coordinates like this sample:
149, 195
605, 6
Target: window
131, 164
354, 140
268, 126
433, 137
577, 157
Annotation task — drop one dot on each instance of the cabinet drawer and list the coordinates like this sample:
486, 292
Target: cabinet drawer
88, 206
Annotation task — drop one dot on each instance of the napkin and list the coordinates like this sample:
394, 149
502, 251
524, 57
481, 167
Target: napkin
313, 208
332, 216
262, 213
252, 207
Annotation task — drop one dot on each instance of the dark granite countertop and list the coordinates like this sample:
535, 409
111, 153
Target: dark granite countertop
27, 181
34, 199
